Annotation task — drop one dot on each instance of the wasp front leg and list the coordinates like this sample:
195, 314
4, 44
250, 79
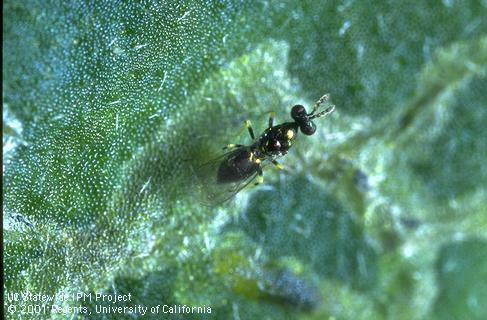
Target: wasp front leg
277, 164
272, 114
248, 125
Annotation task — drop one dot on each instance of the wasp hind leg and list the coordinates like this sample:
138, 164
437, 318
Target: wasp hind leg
260, 177
232, 146
248, 125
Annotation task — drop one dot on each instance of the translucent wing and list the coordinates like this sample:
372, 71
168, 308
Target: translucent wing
223, 177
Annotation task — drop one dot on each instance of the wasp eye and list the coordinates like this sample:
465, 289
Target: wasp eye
298, 113
308, 128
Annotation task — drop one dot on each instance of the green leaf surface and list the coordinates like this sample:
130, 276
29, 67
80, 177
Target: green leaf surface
110, 107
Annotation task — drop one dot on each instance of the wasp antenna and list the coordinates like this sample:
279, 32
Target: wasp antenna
327, 111
324, 98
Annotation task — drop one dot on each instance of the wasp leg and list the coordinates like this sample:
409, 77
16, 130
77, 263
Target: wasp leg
260, 177
272, 114
232, 146
319, 102
248, 124
277, 164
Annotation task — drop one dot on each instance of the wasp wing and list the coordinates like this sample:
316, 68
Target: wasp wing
223, 177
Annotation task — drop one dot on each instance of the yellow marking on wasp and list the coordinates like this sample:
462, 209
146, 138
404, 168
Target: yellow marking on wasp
253, 158
260, 179
248, 123
231, 145
279, 166
290, 134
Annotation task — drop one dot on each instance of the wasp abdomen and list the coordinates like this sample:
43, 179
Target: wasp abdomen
237, 166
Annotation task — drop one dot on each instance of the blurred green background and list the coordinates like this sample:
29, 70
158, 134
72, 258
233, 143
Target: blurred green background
382, 214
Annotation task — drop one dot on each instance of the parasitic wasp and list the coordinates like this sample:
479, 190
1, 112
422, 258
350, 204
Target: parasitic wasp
225, 176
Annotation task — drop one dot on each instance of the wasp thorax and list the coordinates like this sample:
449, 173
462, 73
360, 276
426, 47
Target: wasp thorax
274, 145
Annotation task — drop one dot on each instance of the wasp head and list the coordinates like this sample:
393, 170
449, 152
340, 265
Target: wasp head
304, 119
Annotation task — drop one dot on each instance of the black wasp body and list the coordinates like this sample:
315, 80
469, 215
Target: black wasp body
238, 167
245, 161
